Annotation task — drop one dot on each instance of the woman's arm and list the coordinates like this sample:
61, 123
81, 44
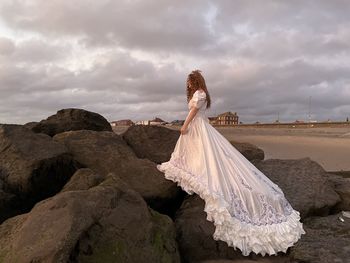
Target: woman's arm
189, 118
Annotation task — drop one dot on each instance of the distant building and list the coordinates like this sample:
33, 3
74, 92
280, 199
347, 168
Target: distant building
126, 122
157, 121
227, 118
144, 122
212, 120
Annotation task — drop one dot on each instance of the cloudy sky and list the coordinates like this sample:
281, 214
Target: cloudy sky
129, 59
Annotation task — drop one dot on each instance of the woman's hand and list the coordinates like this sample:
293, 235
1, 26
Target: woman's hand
190, 116
184, 129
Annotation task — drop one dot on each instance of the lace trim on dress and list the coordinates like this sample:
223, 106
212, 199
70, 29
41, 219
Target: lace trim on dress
274, 233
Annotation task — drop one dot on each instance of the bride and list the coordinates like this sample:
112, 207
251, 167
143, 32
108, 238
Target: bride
249, 211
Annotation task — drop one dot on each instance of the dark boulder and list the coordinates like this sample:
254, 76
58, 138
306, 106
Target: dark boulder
194, 233
71, 120
262, 260
304, 183
195, 236
327, 240
30, 125
32, 166
106, 152
341, 185
9, 205
155, 143
345, 174
249, 151
107, 223
83, 179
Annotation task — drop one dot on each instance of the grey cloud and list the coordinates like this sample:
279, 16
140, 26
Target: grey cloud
258, 59
39, 51
6, 46
138, 24
123, 87
285, 89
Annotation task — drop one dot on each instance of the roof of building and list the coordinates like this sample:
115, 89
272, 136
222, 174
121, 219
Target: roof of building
228, 113
121, 120
157, 120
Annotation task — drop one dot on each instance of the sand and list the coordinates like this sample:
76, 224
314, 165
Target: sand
330, 147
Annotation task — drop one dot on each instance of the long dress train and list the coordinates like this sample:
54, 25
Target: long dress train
249, 211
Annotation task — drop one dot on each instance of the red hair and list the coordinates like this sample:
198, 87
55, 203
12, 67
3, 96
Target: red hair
197, 82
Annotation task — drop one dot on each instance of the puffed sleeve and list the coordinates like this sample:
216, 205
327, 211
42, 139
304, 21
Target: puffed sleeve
199, 99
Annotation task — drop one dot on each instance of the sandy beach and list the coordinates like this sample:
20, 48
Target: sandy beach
330, 147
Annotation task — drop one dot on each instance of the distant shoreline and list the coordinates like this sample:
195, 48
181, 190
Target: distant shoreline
337, 124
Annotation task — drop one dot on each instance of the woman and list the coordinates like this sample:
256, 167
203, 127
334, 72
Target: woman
248, 210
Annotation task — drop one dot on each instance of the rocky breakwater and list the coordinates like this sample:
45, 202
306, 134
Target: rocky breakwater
71, 191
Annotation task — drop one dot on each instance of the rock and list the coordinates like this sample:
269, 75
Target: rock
71, 120
30, 125
32, 166
327, 239
345, 174
107, 223
196, 242
9, 205
261, 260
195, 234
83, 179
304, 183
249, 151
5, 200
106, 152
342, 186
155, 143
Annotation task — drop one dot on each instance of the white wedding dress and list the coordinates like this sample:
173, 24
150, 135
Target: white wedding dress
249, 211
